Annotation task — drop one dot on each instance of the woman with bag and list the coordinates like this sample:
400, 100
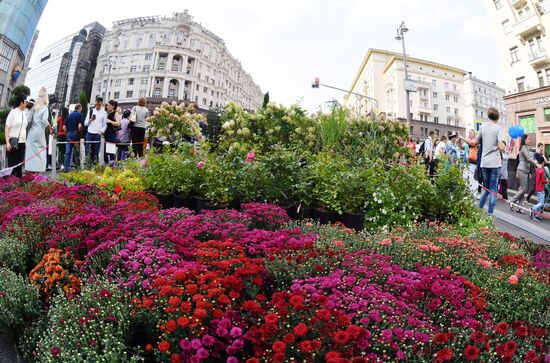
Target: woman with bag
138, 124
470, 156
36, 138
16, 135
113, 124
525, 160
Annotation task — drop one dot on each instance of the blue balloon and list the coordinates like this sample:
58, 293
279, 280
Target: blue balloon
520, 130
513, 132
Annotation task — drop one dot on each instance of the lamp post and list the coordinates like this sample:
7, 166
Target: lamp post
401, 36
110, 63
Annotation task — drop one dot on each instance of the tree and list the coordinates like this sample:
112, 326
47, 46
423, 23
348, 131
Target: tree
18, 90
266, 100
83, 100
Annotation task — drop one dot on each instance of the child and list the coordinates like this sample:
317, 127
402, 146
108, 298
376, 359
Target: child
540, 181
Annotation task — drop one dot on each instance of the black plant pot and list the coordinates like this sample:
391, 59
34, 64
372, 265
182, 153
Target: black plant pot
291, 212
235, 204
354, 221
181, 201
204, 204
324, 216
166, 200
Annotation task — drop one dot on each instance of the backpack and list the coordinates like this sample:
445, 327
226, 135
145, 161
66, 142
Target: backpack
422, 148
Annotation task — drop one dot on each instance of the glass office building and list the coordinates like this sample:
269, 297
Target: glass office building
18, 20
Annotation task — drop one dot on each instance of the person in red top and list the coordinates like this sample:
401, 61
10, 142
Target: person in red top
540, 181
61, 135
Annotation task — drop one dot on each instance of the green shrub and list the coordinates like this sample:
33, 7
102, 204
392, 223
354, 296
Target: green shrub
19, 302
15, 255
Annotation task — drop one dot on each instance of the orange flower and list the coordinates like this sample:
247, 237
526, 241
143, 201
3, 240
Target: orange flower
513, 280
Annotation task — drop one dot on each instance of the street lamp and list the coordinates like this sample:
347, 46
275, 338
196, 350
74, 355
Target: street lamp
110, 63
401, 36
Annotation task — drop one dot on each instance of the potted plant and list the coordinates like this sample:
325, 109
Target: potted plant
216, 187
353, 193
186, 180
327, 170
159, 178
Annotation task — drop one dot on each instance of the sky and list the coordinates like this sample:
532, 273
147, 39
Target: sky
285, 44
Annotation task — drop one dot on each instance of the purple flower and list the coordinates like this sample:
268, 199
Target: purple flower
236, 332
196, 344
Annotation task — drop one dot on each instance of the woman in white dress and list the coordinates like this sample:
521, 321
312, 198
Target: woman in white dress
35, 154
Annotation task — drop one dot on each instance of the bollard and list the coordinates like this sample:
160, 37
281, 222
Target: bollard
54, 157
102, 151
82, 153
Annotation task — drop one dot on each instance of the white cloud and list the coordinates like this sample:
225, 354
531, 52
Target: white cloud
477, 27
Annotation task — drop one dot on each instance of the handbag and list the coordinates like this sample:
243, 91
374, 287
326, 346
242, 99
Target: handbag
133, 116
472, 154
14, 141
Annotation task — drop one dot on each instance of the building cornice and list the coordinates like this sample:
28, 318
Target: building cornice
525, 93
370, 52
397, 56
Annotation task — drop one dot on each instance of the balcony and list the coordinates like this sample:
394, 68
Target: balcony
518, 4
538, 58
528, 25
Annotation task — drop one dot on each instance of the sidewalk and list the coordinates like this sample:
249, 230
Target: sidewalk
521, 222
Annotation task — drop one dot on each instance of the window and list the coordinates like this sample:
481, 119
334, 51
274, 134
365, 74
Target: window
144, 81
436, 107
449, 120
434, 82
448, 109
507, 26
447, 85
514, 53
117, 95
157, 93
118, 82
129, 94
482, 115
435, 94
436, 120
541, 79
456, 111
455, 99
521, 84
498, 4
204, 101
455, 87
197, 88
548, 76
477, 113
142, 93
135, 57
205, 90
133, 69
146, 69
130, 81
447, 98
148, 56
547, 115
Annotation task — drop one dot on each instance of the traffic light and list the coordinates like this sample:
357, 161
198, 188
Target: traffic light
315, 83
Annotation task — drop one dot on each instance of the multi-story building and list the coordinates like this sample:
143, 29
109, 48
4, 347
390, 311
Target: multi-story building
445, 100
478, 97
171, 58
521, 28
66, 67
18, 20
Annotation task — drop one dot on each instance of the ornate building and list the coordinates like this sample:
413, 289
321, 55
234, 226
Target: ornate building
171, 58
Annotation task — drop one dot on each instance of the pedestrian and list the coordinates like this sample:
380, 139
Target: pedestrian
451, 148
439, 152
538, 153
74, 127
97, 124
503, 183
16, 135
123, 135
470, 160
113, 123
525, 161
62, 135
35, 152
491, 138
540, 182
138, 124
28, 109
429, 153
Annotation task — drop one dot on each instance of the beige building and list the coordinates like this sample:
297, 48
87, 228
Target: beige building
521, 28
171, 58
440, 103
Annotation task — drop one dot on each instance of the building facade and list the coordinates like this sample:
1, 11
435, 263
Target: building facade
66, 67
171, 58
479, 95
446, 99
18, 20
521, 28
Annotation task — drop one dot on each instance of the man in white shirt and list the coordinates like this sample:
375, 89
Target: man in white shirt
97, 124
429, 153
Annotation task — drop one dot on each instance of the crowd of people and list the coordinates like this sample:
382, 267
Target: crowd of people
485, 157
28, 126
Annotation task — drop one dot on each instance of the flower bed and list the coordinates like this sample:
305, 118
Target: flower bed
112, 278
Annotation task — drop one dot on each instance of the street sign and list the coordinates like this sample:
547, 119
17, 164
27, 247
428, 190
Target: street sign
410, 85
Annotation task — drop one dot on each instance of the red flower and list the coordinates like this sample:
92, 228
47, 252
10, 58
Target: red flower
522, 331
341, 337
478, 337
170, 326
271, 318
323, 314
289, 338
443, 355
306, 347
148, 347
332, 355
502, 328
510, 348
164, 346
300, 329
253, 360
471, 353
296, 301
440, 338
279, 357
54, 351
531, 357
118, 189
278, 346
